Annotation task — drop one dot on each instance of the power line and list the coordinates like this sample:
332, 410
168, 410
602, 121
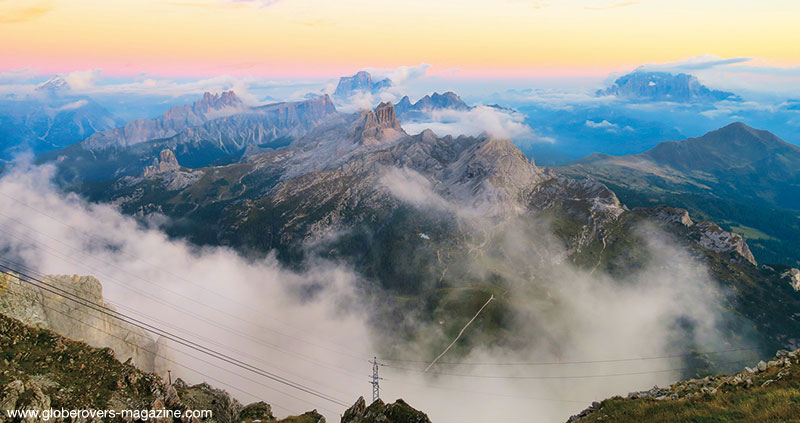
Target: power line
548, 377
188, 312
203, 374
175, 338
553, 363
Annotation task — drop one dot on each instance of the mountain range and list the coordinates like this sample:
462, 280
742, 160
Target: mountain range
216, 127
50, 118
744, 178
405, 210
422, 108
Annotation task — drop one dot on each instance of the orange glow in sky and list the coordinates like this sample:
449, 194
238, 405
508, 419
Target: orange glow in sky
299, 38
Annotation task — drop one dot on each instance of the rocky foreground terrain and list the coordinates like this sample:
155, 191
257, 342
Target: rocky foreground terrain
767, 392
41, 370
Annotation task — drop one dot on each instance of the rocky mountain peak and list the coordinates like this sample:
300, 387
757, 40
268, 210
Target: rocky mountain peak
379, 125
212, 102
165, 161
732, 146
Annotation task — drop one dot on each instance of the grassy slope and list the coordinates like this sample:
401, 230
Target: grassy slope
774, 396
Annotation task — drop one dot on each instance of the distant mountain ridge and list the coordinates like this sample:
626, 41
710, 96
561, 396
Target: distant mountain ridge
431, 102
664, 86
214, 128
170, 123
51, 117
737, 174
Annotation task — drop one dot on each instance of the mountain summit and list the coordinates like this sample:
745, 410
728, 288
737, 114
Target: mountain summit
360, 82
664, 86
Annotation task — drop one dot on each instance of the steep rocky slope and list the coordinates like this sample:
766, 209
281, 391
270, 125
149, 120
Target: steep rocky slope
769, 391
41, 370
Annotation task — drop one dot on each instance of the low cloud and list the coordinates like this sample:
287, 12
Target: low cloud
501, 123
560, 312
305, 325
403, 74
606, 125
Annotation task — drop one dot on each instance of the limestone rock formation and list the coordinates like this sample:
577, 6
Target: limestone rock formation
166, 161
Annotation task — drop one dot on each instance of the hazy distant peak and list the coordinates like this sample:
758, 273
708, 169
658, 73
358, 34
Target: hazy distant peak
446, 101
54, 84
360, 82
664, 86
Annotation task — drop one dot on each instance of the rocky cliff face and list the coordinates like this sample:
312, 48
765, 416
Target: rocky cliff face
380, 125
165, 162
379, 412
34, 306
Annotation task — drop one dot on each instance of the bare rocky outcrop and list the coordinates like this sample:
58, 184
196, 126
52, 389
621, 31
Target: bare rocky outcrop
716, 239
379, 126
166, 161
793, 275
707, 235
379, 412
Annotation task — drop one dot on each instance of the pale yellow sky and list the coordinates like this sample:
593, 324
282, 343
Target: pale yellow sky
316, 37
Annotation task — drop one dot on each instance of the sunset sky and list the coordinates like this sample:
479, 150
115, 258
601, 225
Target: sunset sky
313, 38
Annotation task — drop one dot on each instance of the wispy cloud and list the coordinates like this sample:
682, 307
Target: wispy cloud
612, 6
701, 62
19, 11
